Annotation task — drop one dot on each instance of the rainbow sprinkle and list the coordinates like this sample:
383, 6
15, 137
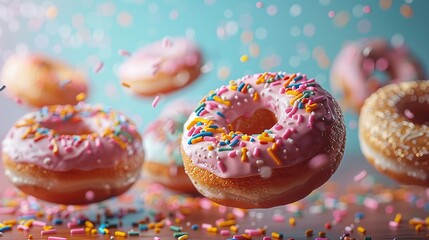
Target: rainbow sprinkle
124, 53
80, 97
173, 216
117, 132
204, 128
155, 101
98, 67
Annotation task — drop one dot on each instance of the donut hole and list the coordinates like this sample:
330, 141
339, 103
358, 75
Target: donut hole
378, 70
415, 112
77, 128
259, 121
382, 78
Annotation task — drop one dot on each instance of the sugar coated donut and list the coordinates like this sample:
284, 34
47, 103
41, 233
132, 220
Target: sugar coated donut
162, 67
394, 131
73, 154
163, 163
366, 65
38, 80
265, 140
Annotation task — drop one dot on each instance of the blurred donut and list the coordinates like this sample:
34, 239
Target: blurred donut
394, 131
38, 80
162, 67
363, 66
163, 162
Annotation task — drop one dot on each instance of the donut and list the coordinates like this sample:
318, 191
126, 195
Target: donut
38, 80
73, 154
394, 131
162, 67
263, 140
364, 66
163, 162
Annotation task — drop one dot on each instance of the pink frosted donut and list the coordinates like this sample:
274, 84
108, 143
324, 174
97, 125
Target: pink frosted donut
162, 67
359, 68
163, 163
73, 154
265, 140
38, 80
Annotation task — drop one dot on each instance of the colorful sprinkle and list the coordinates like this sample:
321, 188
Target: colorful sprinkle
98, 67
360, 176
124, 53
64, 83
361, 230
155, 101
244, 58
125, 84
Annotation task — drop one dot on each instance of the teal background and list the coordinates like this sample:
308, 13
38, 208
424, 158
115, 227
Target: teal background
292, 36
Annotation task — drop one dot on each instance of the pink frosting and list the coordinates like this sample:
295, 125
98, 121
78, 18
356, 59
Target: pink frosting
101, 137
296, 137
168, 56
357, 61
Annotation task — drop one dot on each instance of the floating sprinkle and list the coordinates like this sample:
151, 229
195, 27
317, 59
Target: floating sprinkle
385, 4
406, 11
80, 97
331, 14
124, 53
155, 101
272, 10
366, 9
2, 87
125, 84
63, 83
166, 42
259, 4
18, 100
360, 176
244, 58
98, 67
